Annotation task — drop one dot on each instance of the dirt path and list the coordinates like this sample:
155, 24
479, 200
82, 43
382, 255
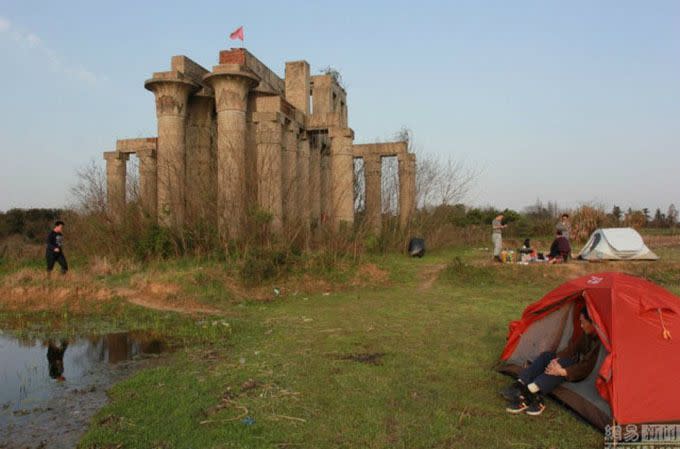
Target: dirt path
150, 302
429, 275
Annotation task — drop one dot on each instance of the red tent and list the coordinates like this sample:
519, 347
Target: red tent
637, 378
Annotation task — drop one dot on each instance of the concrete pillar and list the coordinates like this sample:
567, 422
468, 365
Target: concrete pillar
289, 178
298, 85
342, 177
201, 181
303, 181
269, 141
148, 193
407, 188
372, 175
314, 182
172, 93
325, 190
115, 183
231, 83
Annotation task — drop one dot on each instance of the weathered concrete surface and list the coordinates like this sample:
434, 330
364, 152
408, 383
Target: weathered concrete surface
298, 86
407, 188
115, 183
342, 177
269, 139
372, 175
148, 184
231, 84
201, 172
172, 91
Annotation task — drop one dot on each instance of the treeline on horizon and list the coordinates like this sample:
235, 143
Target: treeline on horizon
537, 220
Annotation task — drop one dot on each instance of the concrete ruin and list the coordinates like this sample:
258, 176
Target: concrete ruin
239, 140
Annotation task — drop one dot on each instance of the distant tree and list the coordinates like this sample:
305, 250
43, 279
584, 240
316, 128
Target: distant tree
645, 211
659, 220
616, 214
672, 215
635, 219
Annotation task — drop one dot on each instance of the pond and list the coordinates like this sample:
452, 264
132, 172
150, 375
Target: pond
51, 388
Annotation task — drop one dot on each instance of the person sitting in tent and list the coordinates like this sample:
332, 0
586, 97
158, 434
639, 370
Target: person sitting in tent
560, 250
550, 369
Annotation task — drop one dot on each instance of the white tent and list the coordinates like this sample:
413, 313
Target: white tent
616, 244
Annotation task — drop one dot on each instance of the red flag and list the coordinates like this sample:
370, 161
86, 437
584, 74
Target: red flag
238, 34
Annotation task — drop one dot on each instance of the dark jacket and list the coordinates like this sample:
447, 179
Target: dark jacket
55, 240
584, 352
560, 248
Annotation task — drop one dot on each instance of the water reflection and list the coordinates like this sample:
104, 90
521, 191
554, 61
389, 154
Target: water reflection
43, 382
55, 359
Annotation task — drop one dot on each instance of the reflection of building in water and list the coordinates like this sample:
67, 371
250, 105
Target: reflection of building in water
117, 345
55, 359
124, 346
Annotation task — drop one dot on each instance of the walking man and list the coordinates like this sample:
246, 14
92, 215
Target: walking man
497, 237
55, 249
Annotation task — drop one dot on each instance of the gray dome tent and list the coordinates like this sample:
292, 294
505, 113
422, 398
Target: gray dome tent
616, 244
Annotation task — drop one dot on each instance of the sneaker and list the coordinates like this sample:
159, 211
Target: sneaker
536, 406
513, 392
517, 407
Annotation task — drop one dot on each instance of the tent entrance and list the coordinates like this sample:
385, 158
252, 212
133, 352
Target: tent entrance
553, 333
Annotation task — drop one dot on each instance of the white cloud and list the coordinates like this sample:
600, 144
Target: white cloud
33, 41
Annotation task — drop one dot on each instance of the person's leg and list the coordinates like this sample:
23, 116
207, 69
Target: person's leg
61, 259
537, 367
497, 244
520, 402
49, 258
544, 384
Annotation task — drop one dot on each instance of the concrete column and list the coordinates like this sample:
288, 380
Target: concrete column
314, 182
148, 192
172, 93
201, 182
303, 181
372, 175
325, 190
269, 141
231, 83
342, 177
298, 86
115, 183
407, 188
289, 178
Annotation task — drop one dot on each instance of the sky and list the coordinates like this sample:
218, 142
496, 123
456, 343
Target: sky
573, 102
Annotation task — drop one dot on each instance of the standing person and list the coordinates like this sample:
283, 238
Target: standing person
497, 237
564, 226
55, 248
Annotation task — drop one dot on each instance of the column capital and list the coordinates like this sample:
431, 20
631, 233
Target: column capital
172, 90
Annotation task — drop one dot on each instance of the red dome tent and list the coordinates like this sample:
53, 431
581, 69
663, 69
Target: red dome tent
637, 376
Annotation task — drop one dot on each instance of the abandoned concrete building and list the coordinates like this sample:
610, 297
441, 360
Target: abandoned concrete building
239, 140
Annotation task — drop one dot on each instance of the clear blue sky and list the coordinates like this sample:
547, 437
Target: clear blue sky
565, 101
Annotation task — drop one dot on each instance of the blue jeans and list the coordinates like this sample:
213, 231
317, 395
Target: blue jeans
536, 372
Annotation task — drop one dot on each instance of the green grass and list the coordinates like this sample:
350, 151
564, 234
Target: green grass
291, 364
435, 386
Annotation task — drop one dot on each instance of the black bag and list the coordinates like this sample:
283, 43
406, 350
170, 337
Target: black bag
416, 247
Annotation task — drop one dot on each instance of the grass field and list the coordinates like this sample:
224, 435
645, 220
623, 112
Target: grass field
404, 360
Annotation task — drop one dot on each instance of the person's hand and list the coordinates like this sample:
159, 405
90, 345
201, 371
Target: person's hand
56, 250
555, 369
